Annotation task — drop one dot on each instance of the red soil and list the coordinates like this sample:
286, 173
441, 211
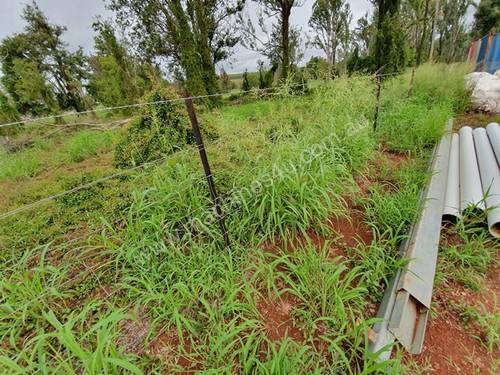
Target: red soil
352, 230
170, 348
474, 119
277, 318
165, 346
452, 346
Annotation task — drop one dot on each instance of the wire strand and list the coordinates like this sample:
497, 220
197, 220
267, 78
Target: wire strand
78, 188
139, 105
134, 105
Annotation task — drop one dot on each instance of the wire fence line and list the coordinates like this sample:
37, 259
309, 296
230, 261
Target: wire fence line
142, 166
135, 105
123, 172
174, 100
95, 268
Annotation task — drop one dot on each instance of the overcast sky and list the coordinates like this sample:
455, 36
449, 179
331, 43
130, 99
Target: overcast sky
77, 16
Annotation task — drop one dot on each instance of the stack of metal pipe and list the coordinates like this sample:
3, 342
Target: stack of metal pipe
474, 175
465, 176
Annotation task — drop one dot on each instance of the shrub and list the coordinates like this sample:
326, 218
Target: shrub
161, 129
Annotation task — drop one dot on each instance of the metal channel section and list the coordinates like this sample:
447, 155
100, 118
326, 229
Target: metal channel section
404, 310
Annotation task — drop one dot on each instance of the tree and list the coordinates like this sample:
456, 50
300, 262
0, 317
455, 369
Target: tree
422, 20
191, 36
65, 70
8, 112
453, 36
117, 77
330, 20
245, 85
318, 68
390, 44
39, 53
363, 34
225, 81
486, 18
282, 43
265, 78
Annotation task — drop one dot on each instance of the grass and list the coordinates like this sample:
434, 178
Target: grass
489, 325
23, 165
88, 143
130, 276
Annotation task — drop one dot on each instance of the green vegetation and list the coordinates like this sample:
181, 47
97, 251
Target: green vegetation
88, 143
130, 275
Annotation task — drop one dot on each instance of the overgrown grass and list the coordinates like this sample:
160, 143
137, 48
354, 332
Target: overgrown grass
416, 123
467, 255
88, 143
283, 165
24, 165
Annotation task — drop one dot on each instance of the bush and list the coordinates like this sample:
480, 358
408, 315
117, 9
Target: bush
161, 129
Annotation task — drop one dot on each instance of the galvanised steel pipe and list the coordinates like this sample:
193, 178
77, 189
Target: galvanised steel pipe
451, 209
493, 131
490, 179
471, 192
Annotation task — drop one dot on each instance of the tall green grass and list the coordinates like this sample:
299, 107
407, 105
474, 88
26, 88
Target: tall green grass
283, 165
88, 143
415, 123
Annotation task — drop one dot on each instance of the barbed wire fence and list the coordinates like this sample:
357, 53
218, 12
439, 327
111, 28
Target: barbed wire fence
43, 121
191, 234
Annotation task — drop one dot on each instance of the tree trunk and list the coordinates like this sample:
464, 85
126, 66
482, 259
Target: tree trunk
424, 33
379, 35
434, 21
285, 39
189, 58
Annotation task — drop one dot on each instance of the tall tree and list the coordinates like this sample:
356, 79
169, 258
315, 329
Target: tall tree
245, 85
486, 18
40, 55
330, 21
453, 36
421, 22
65, 70
225, 81
282, 44
117, 77
190, 35
390, 44
363, 34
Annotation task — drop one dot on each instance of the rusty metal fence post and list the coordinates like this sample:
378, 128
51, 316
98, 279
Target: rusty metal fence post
206, 167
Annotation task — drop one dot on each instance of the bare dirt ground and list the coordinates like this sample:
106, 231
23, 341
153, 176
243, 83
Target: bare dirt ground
474, 120
452, 346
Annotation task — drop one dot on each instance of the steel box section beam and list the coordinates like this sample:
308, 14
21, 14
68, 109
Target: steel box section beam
414, 290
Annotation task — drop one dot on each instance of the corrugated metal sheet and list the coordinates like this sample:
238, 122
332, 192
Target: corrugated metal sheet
484, 54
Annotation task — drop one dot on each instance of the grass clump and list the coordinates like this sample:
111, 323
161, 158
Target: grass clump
488, 324
22, 165
466, 255
416, 123
88, 143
